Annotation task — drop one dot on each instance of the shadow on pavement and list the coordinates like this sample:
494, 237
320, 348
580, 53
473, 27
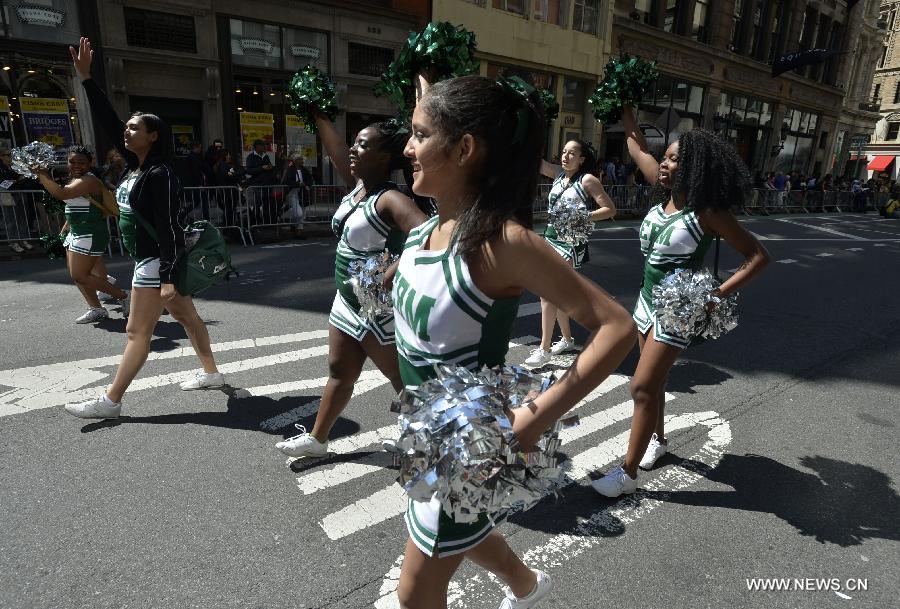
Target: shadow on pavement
841, 503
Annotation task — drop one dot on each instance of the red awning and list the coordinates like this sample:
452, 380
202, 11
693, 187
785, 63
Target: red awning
880, 163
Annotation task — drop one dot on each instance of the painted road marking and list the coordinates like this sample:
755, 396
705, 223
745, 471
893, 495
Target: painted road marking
605, 519
821, 228
879, 245
855, 249
787, 261
391, 501
824, 255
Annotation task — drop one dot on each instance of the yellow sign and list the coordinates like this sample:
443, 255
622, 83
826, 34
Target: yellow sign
257, 126
4, 103
182, 137
299, 141
42, 104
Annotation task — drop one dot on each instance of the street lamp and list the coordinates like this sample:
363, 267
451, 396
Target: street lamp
785, 131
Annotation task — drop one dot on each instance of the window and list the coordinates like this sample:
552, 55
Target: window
699, 26
368, 61
893, 131
798, 146
876, 93
573, 95
587, 16
883, 57
737, 18
265, 45
755, 50
897, 93
642, 10
823, 140
155, 30
550, 11
512, 6
55, 20
670, 16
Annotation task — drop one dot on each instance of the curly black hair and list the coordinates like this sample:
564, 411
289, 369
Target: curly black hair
710, 173
82, 150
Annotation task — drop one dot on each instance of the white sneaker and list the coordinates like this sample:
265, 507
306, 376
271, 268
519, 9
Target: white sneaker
615, 483
541, 589
98, 408
303, 445
537, 359
654, 451
92, 316
16, 248
562, 346
126, 304
204, 380
103, 296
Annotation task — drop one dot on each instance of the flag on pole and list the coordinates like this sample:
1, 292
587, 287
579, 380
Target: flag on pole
788, 62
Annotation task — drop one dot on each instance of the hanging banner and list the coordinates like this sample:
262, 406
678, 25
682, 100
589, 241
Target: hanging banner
257, 126
47, 120
300, 142
7, 139
792, 61
182, 136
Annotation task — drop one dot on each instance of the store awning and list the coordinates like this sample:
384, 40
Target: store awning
880, 163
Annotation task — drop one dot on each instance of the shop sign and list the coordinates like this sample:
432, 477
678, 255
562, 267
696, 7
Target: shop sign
47, 120
33, 14
299, 50
256, 45
299, 141
257, 126
182, 137
7, 140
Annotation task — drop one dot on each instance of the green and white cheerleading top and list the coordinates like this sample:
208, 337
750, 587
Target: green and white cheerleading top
364, 234
127, 219
442, 317
668, 242
88, 230
564, 190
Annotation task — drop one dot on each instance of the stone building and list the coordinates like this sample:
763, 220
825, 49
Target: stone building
220, 68
881, 154
715, 58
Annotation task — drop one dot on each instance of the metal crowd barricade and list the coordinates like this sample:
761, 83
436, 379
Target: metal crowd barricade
220, 205
23, 217
277, 205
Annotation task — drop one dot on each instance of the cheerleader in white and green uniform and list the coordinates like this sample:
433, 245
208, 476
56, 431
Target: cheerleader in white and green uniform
476, 150
574, 183
375, 216
700, 178
88, 232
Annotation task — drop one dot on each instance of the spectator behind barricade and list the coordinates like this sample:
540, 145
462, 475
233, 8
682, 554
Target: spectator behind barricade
610, 170
13, 207
780, 181
759, 180
299, 181
212, 156
828, 182
112, 170
193, 167
259, 167
226, 171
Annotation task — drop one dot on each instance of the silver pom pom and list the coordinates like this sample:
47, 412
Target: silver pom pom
367, 277
682, 301
456, 442
571, 220
35, 154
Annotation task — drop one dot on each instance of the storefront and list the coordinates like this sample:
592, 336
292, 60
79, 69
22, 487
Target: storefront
799, 142
38, 92
747, 123
264, 57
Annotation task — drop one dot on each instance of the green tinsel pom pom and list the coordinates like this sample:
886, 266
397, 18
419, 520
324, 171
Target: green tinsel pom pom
311, 91
551, 106
53, 244
625, 82
52, 205
442, 48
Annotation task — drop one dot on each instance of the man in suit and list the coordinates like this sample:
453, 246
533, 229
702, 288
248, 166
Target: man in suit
261, 172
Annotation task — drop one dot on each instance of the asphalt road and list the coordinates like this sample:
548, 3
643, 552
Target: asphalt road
783, 462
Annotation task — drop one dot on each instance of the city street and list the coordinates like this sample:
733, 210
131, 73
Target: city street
782, 460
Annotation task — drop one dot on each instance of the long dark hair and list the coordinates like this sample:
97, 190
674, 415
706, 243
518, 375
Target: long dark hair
163, 149
511, 125
392, 138
710, 173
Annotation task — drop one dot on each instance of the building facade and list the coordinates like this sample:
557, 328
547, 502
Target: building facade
880, 156
715, 58
220, 68
561, 45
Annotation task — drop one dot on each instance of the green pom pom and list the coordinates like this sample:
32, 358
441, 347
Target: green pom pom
445, 50
309, 92
53, 244
52, 205
551, 106
625, 81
